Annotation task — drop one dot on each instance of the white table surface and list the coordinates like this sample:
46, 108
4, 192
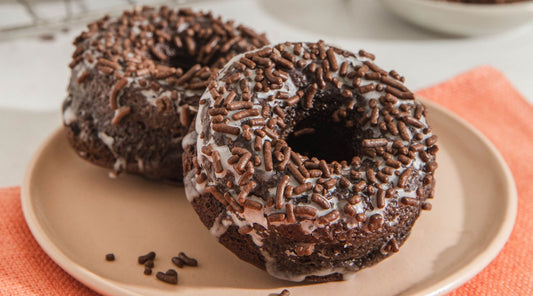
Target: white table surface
34, 73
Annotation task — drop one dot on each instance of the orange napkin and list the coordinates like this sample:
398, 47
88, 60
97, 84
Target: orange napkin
488, 101
24, 267
483, 96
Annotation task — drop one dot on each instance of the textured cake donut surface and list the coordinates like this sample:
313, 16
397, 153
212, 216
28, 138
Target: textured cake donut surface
135, 84
309, 161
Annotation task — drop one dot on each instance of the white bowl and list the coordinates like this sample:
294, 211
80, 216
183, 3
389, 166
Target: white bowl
460, 18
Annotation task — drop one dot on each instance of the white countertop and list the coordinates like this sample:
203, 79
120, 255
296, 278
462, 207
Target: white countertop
34, 72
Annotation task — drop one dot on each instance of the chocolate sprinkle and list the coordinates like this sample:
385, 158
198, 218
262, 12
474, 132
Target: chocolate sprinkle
330, 217
223, 128
280, 191
143, 258
186, 260
110, 257
305, 212
402, 181
169, 277
374, 142
408, 201
178, 262
120, 113
276, 218
114, 93
149, 264
319, 199
375, 222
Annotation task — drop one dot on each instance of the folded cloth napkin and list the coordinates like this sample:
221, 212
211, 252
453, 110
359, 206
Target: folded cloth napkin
483, 96
24, 267
487, 100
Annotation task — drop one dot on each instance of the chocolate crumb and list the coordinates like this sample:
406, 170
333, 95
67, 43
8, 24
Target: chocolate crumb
144, 258
178, 262
169, 277
189, 261
426, 206
149, 264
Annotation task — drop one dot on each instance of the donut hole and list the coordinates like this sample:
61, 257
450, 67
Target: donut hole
323, 139
323, 134
183, 61
175, 57
181, 57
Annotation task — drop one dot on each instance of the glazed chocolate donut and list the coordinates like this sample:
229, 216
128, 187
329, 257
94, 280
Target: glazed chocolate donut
309, 161
136, 81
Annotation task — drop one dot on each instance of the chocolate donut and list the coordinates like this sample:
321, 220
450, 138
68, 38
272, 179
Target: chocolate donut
136, 81
309, 161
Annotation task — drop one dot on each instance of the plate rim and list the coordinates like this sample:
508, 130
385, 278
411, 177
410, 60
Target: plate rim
462, 19
476, 8
456, 279
484, 258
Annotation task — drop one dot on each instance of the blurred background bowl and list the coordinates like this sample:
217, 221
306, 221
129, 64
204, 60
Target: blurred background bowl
462, 19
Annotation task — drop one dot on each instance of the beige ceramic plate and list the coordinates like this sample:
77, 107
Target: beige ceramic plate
78, 214
462, 19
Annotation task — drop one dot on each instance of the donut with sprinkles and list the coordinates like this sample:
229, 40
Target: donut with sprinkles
309, 161
136, 81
